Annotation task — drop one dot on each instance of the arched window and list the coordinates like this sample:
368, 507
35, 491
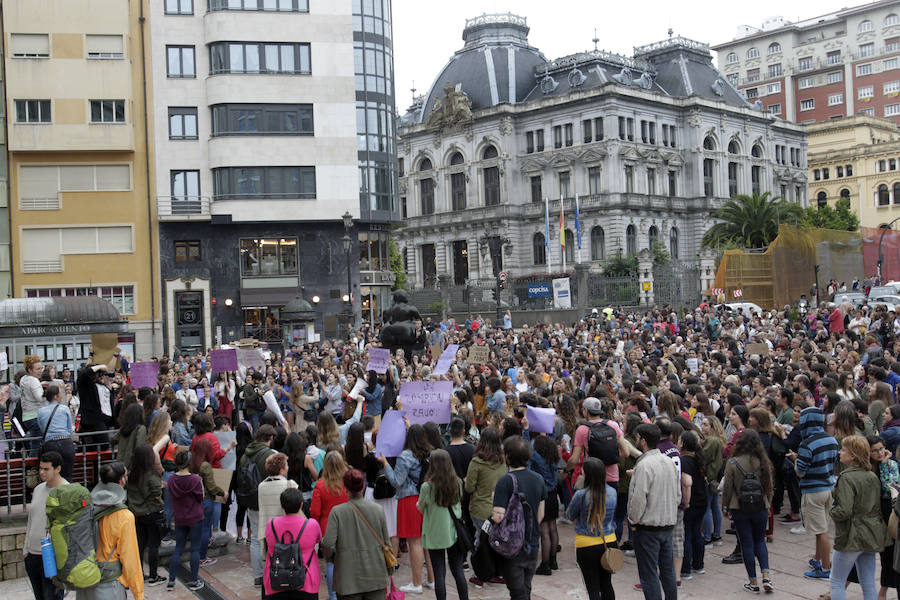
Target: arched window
570, 247
709, 143
538, 249
732, 58
457, 184
733, 147
845, 194
884, 195
865, 26
821, 199
598, 243
425, 165
891, 19
673, 242
652, 236
753, 52
491, 177
489, 152
630, 240
756, 152
426, 195
774, 48
896, 190
457, 159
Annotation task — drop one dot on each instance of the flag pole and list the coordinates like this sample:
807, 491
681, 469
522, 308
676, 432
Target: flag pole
562, 234
547, 234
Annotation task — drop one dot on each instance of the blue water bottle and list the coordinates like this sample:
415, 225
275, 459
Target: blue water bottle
49, 556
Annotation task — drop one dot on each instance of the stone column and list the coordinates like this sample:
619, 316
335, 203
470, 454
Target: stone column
582, 300
645, 277
707, 270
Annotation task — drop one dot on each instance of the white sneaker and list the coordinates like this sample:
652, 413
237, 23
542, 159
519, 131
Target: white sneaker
411, 589
428, 584
563, 521
801, 530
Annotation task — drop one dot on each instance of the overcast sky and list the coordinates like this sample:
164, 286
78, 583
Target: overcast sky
428, 32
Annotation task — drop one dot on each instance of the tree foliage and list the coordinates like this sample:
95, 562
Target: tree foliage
660, 254
751, 221
621, 266
840, 217
396, 260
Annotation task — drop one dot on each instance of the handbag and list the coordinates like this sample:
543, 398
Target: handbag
394, 593
463, 539
613, 559
390, 560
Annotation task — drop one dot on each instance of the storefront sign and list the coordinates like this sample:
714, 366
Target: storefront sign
538, 290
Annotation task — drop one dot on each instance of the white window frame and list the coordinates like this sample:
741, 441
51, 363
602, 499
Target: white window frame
753, 52
865, 92
865, 26
773, 88
867, 50
891, 87
862, 70
805, 83
117, 106
889, 64
892, 110
732, 58
836, 99
835, 77
808, 104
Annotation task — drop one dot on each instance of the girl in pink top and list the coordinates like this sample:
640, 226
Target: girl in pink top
294, 521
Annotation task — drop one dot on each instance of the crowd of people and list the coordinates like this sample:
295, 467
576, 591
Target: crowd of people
670, 430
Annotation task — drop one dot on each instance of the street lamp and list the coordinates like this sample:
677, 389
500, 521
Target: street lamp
884, 229
348, 223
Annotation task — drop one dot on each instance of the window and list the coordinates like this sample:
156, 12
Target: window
866, 50
268, 257
594, 180
458, 191
29, 45
557, 136
825, 173
806, 82
774, 48
598, 128
180, 62
262, 119
182, 122
539, 249
845, 194
805, 63
755, 178
753, 52
587, 131
896, 193
865, 92
808, 104
120, 296
775, 70
891, 19
179, 7
598, 243
732, 78
751, 93
629, 179
835, 77
709, 143
752, 75
264, 182
869, 112
731, 58
187, 251
773, 88
491, 186
881, 166
536, 192
892, 44
732, 179
58, 241
630, 240
425, 165
849, 170
529, 142
107, 111
570, 246
817, 174
426, 196
673, 184
708, 174
892, 164
865, 69
185, 190
835, 99
775, 109
104, 46
565, 184
539, 140
39, 186
833, 57
890, 64
673, 242
651, 181
884, 195
839, 171
32, 111
891, 87
865, 26
622, 134
652, 236
629, 123
568, 134
252, 57
268, 5
892, 110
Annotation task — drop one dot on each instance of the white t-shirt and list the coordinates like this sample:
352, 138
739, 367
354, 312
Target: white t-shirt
105, 406
37, 519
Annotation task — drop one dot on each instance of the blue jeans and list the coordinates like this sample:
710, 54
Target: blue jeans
842, 563
751, 531
712, 521
212, 510
694, 546
33, 429
181, 534
254, 420
256, 558
653, 549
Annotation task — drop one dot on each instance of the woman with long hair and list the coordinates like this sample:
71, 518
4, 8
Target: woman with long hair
406, 478
57, 426
132, 433
692, 463
748, 457
883, 465
187, 504
244, 438
713, 443
201, 456
360, 455
145, 499
182, 431
328, 493
592, 509
479, 396
545, 462
440, 496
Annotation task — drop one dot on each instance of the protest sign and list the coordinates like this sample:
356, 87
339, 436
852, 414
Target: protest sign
360, 385
229, 461
692, 364
446, 359
222, 361
223, 480
391, 435
540, 419
435, 351
425, 401
760, 348
252, 357
379, 359
104, 346
144, 374
478, 355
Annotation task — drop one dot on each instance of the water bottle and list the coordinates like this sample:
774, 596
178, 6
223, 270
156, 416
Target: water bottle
49, 557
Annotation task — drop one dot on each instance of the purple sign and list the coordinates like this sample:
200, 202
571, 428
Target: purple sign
391, 435
541, 419
144, 374
425, 401
446, 359
223, 360
379, 359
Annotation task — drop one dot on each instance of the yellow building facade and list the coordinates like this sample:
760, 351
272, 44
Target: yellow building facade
81, 213
858, 158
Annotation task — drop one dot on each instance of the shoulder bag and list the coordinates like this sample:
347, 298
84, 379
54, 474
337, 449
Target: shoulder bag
613, 559
390, 560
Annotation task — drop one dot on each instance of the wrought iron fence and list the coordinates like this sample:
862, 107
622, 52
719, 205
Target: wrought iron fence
606, 291
677, 283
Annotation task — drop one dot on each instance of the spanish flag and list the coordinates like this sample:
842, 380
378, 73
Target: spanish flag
562, 226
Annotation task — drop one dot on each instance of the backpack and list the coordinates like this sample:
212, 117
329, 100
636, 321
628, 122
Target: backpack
603, 443
750, 496
248, 481
286, 568
75, 533
508, 537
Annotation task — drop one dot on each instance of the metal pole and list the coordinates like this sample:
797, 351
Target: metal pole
349, 295
880, 240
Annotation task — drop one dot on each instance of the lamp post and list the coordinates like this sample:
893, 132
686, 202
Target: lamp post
495, 249
884, 229
348, 223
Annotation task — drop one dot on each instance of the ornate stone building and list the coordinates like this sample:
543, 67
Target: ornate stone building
650, 144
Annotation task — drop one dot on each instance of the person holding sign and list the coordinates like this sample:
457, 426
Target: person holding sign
201, 455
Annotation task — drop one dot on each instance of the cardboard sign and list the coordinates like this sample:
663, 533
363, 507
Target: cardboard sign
693, 364
435, 351
222, 361
391, 435
252, 357
229, 461
446, 359
144, 374
379, 360
425, 401
104, 345
223, 480
360, 386
760, 348
540, 419
478, 355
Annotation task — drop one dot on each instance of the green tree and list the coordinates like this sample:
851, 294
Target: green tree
840, 217
660, 254
396, 259
751, 221
621, 266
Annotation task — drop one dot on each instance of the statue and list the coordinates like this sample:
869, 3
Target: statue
454, 108
402, 325
624, 76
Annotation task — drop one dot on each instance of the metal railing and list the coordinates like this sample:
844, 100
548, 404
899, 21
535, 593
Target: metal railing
182, 207
19, 470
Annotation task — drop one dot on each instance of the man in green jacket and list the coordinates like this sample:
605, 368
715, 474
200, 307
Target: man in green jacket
257, 451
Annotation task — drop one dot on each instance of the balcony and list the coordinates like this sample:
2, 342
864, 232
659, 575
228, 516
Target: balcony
183, 208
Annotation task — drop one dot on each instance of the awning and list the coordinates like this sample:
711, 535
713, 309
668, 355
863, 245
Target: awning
266, 297
35, 317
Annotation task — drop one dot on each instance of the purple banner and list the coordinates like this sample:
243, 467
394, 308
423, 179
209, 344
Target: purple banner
379, 359
425, 401
541, 419
144, 374
446, 359
223, 360
391, 435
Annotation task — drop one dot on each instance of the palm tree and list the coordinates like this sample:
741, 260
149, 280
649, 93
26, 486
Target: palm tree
750, 221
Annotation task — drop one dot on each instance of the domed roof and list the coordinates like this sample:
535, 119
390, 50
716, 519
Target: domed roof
496, 64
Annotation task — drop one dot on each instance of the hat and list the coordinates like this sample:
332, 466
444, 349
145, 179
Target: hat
593, 406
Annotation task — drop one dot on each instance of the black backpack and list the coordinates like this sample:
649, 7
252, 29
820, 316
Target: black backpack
286, 568
603, 443
248, 481
750, 497
424, 464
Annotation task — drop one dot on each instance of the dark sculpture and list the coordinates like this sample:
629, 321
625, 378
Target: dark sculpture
400, 323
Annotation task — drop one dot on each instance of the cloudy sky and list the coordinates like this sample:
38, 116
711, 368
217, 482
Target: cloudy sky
428, 32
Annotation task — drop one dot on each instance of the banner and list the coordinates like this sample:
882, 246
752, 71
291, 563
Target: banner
562, 298
538, 290
425, 401
379, 359
446, 359
144, 374
540, 419
391, 436
222, 361
252, 357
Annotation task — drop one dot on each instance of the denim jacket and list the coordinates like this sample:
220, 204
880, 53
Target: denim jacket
579, 511
182, 434
405, 474
373, 400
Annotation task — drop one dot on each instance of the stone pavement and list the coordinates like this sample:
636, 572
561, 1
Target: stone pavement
231, 577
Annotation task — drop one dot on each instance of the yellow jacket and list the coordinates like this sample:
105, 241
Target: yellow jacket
117, 531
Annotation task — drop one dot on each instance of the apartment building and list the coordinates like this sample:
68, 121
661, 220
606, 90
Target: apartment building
80, 212
834, 65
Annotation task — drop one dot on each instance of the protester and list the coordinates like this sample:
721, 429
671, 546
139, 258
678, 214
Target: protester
258, 451
57, 428
186, 489
306, 534
50, 472
592, 510
328, 493
201, 458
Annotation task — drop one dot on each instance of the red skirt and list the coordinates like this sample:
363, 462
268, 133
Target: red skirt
409, 519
